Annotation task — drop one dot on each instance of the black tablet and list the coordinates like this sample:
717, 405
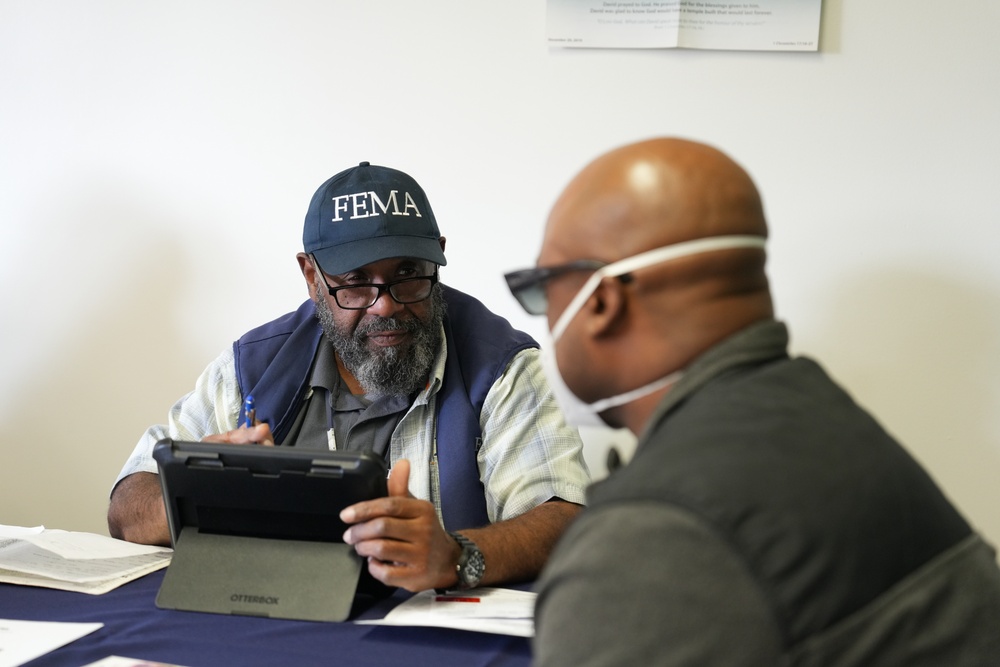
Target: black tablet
256, 530
257, 491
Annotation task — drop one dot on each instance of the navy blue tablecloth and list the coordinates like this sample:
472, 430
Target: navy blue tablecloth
134, 627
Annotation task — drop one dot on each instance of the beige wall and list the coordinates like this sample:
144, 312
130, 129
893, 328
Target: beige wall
156, 160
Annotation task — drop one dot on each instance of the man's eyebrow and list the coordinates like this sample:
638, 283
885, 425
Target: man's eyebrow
347, 275
407, 263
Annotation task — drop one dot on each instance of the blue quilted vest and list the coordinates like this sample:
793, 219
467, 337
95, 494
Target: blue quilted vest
273, 363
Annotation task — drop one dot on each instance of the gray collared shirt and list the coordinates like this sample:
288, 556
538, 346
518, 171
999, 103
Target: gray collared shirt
333, 418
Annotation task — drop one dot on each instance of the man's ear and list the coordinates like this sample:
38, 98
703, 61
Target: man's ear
606, 308
442, 241
308, 272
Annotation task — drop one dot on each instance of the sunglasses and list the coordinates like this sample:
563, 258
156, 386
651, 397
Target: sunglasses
528, 285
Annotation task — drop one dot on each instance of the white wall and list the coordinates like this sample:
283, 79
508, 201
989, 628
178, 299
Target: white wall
156, 159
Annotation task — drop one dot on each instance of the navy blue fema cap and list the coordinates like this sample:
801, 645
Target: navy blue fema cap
368, 213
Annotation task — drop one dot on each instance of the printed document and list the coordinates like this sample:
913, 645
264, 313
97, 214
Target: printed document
21, 641
501, 611
759, 25
72, 561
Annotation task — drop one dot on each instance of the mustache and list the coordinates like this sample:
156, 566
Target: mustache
377, 324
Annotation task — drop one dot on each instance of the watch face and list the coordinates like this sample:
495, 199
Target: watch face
474, 568
471, 564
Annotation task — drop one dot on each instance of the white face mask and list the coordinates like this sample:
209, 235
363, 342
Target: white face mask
576, 411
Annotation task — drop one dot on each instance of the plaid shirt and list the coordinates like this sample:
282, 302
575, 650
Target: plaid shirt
528, 453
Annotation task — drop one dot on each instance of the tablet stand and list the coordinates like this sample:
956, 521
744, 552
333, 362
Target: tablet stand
257, 576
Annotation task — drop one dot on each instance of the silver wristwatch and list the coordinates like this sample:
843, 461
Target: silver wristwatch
471, 565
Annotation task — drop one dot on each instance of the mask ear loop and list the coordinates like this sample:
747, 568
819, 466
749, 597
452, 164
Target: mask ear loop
634, 395
577, 303
649, 258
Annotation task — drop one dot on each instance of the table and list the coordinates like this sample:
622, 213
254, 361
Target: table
134, 627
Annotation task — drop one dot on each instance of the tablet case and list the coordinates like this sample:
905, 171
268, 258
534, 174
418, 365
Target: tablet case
256, 530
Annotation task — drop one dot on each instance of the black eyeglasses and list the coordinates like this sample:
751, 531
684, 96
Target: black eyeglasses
528, 285
359, 297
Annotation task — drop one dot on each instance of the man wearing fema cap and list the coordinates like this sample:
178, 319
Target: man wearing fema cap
384, 358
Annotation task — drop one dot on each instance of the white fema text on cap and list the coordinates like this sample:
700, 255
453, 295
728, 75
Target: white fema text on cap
367, 205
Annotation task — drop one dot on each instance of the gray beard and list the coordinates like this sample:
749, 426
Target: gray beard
389, 371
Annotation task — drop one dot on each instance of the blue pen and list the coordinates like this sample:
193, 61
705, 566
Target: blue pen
249, 412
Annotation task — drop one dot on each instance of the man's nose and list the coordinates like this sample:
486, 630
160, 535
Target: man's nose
385, 305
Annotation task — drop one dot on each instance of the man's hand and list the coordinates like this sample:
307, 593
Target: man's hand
402, 538
136, 512
258, 434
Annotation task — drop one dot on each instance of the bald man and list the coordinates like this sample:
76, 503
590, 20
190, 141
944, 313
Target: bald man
765, 519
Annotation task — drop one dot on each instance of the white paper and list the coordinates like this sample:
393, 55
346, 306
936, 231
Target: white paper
89, 546
501, 611
21, 641
19, 531
756, 25
82, 562
119, 661
96, 587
